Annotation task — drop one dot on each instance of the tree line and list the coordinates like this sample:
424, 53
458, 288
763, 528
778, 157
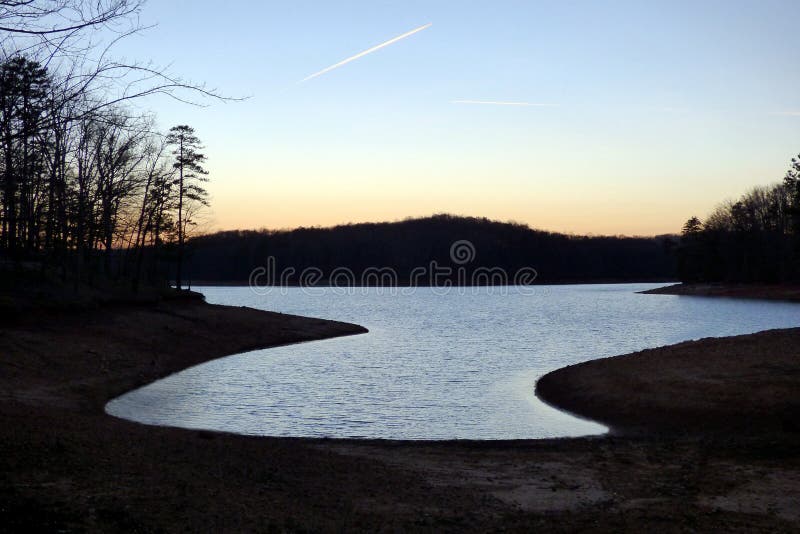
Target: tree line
88, 186
755, 239
403, 246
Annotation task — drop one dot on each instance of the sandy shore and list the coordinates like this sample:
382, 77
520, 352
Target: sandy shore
65, 465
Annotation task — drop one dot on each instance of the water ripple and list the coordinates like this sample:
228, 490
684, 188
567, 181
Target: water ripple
432, 366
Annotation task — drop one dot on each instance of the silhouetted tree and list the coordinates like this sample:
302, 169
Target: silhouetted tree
792, 183
754, 239
45, 18
76, 38
692, 227
690, 253
23, 110
98, 191
190, 176
86, 184
155, 201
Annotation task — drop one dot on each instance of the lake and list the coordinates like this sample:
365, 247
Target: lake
436, 364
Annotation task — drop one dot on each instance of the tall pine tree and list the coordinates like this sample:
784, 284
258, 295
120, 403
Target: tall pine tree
191, 174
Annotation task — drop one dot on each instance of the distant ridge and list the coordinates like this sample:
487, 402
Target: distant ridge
231, 256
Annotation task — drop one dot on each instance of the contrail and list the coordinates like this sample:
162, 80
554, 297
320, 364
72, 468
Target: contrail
500, 103
365, 52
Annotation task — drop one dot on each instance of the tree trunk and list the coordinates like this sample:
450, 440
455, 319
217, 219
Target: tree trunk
180, 220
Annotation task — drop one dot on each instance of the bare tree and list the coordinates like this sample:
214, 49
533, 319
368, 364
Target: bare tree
62, 17
83, 177
75, 39
154, 201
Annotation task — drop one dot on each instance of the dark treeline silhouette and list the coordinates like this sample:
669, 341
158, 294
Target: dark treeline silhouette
88, 189
403, 246
89, 195
755, 239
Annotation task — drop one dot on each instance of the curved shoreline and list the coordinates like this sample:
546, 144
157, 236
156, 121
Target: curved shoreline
117, 349
747, 384
66, 465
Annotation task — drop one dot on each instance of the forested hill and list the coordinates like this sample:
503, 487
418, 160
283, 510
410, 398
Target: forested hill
462, 244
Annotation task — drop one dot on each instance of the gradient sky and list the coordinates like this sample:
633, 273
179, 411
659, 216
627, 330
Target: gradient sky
655, 111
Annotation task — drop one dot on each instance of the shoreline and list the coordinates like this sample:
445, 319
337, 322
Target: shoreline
325, 284
66, 464
785, 292
744, 385
196, 332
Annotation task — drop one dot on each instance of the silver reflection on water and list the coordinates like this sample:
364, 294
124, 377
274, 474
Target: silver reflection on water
457, 366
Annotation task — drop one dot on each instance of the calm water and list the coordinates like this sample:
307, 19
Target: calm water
460, 365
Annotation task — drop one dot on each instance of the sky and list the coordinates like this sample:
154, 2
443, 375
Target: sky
643, 113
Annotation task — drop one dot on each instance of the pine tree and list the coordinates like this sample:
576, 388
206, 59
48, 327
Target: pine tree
191, 174
792, 184
23, 88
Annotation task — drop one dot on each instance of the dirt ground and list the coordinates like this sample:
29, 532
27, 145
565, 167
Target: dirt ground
748, 384
67, 466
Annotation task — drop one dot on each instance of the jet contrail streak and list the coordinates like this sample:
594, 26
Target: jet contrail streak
499, 103
365, 52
